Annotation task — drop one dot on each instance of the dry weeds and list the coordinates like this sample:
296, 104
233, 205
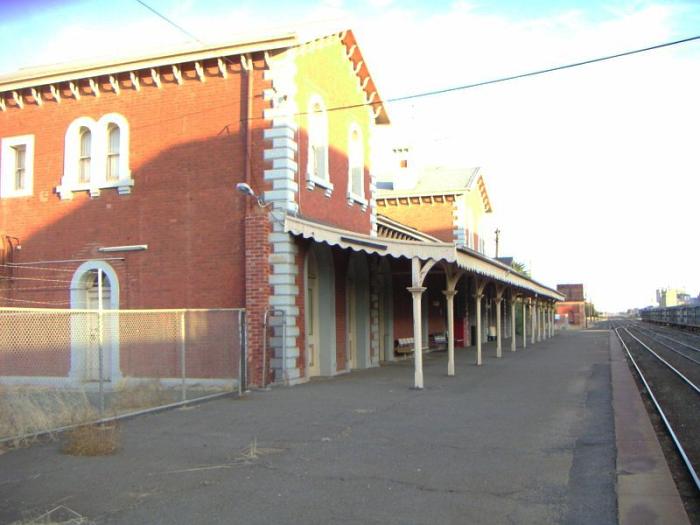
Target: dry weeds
92, 440
136, 396
27, 410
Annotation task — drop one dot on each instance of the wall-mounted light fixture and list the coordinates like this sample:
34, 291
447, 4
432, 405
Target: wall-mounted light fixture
128, 248
247, 190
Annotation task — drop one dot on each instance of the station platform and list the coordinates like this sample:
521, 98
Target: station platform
527, 438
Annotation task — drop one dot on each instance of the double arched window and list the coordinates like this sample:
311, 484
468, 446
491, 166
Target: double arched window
96, 156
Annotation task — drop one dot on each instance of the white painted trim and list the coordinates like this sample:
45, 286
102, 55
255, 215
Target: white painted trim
317, 137
356, 158
78, 357
98, 155
7, 166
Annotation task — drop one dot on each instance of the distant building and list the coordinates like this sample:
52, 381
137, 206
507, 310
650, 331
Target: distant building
449, 203
572, 311
672, 297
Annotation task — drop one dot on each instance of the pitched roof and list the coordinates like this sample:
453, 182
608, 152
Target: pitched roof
51, 75
441, 180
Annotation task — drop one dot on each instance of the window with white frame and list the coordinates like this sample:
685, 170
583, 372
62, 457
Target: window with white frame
317, 172
96, 156
17, 166
113, 146
356, 167
85, 155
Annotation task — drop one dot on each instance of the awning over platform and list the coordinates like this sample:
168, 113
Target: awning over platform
463, 258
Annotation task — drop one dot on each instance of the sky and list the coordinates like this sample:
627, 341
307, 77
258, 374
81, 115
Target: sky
592, 172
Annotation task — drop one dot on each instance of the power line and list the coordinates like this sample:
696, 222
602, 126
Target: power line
543, 71
452, 89
175, 25
462, 87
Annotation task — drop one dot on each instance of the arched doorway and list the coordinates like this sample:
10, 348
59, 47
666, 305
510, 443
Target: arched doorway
319, 312
95, 292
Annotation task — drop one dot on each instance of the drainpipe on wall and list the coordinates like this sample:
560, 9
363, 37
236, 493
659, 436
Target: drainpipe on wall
247, 64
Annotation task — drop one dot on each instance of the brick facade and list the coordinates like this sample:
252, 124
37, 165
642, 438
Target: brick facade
195, 130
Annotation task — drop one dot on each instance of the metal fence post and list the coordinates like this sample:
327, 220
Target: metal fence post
242, 344
183, 346
100, 342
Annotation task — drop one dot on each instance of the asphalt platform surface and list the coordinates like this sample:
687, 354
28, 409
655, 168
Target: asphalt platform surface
528, 438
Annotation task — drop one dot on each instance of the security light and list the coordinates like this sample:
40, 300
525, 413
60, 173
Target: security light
245, 188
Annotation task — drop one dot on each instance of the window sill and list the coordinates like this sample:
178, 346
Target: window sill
123, 187
357, 199
313, 181
16, 194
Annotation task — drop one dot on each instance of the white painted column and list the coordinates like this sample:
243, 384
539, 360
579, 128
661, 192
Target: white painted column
524, 323
533, 321
539, 323
450, 296
478, 296
553, 319
512, 324
499, 335
417, 292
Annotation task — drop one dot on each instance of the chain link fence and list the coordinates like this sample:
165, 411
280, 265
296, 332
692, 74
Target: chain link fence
65, 367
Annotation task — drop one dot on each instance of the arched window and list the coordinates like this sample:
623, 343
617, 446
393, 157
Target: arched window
356, 165
96, 156
113, 146
317, 169
85, 156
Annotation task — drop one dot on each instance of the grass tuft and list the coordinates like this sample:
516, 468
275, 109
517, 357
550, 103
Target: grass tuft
92, 440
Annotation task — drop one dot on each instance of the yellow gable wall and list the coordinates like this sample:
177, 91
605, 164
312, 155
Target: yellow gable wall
324, 70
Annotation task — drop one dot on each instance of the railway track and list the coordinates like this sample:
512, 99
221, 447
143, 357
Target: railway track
669, 370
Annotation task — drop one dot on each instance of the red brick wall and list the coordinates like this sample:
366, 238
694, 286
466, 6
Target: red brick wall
186, 154
257, 291
574, 310
434, 218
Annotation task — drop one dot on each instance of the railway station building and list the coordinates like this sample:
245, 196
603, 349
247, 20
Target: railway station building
130, 169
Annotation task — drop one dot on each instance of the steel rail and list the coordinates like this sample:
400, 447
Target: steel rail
661, 412
678, 373
695, 349
651, 334
673, 329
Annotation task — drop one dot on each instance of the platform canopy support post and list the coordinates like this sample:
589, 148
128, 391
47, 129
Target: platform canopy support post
418, 273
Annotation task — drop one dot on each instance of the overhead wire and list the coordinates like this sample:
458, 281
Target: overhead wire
8, 278
463, 87
28, 301
38, 268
